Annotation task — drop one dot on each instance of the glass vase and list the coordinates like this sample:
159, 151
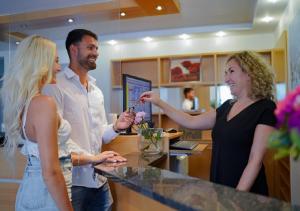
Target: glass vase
151, 141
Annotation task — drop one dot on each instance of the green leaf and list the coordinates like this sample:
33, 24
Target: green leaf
295, 152
295, 138
158, 136
279, 139
282, 152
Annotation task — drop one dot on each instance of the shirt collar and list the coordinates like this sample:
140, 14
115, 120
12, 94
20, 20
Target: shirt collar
70, 74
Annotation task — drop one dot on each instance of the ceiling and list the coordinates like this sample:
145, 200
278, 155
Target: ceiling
49, 18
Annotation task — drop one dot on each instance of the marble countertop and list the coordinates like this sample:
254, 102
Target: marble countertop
180, 191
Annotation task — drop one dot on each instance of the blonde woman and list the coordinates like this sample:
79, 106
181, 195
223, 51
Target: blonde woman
240, 127
31, 118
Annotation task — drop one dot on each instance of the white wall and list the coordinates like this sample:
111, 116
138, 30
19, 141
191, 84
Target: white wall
288, 16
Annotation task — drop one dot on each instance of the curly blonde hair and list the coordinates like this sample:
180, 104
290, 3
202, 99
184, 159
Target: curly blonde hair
260, 73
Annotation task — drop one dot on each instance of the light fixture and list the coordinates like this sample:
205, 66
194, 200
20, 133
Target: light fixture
17, 42
267, 19
272, 1
158, 8
147, 39
70, 20
123, 14
184, 36
112, 42
220, 34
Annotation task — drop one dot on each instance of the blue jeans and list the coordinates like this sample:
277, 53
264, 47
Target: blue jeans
92, 199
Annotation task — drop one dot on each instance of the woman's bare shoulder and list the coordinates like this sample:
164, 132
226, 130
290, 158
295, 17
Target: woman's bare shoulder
43, 103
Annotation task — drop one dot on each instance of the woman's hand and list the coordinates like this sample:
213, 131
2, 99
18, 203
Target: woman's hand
116, 159
150, 97
101, 157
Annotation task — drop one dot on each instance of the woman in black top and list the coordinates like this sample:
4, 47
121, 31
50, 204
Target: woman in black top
240, 127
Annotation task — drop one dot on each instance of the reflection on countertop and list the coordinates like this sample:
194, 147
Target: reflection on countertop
180, 191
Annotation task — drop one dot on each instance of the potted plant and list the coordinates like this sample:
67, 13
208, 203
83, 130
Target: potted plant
151, 142
286, 139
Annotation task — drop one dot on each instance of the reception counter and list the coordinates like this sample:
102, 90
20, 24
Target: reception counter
181, 192
150, 183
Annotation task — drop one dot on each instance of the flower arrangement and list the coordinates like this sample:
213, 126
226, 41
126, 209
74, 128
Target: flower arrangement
286, 139
151, 142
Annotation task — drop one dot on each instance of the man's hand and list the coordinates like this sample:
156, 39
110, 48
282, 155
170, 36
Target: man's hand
109, 166
124, 121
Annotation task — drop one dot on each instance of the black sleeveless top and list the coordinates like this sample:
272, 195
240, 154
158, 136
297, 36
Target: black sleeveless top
232, 141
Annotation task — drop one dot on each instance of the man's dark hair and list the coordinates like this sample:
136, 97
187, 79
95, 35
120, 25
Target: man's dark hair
187, 90
76, 36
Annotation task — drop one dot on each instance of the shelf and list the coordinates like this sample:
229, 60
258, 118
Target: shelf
187, 83
211, 76
155, 113
121, 87
188, 112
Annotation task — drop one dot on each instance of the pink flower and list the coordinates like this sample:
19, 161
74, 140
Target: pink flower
288, 110
287, 138
139, 117
297, 103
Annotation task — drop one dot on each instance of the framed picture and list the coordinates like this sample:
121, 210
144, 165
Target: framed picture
185, 69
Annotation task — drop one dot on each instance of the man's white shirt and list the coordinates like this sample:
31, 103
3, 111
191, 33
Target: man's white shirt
84, 109
187, 104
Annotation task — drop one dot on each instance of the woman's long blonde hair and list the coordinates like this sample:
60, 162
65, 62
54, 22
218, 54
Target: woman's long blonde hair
29, 70
260, 73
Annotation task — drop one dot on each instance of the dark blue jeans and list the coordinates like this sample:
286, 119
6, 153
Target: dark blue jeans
92, 199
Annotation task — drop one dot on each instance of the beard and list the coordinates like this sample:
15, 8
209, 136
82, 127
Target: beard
87, 63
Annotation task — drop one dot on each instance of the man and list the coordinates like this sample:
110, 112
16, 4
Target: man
190, 102
82, 104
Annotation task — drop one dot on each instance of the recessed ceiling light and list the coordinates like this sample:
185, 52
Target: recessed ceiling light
220, 34
267, 19
158, 8
147, 39
17, 43
70, 20
272, 1
123, 14
112, 42
184, 36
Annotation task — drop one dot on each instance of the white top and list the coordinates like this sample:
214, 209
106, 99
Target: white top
187, 104
65, 144
85, 111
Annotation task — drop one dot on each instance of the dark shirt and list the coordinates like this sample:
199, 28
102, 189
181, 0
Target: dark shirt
232, 142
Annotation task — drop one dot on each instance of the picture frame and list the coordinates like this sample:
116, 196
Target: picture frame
185, 69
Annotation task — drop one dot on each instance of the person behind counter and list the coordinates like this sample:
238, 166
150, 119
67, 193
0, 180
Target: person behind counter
190, 101
31, 117
240, 127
